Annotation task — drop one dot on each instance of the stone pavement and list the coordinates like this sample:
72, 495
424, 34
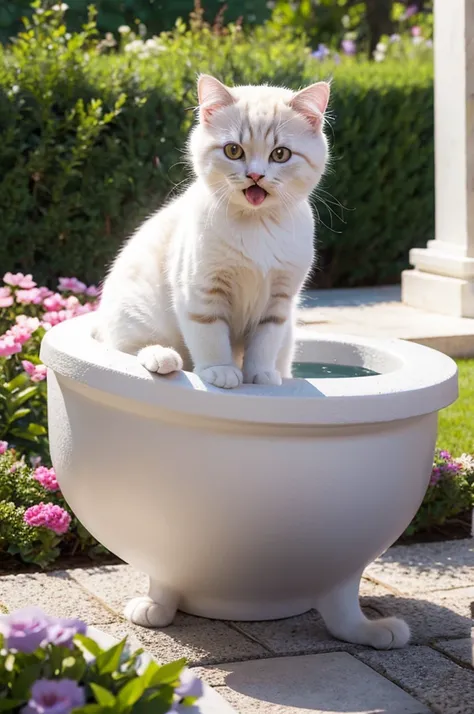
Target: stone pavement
294, 666
379, 312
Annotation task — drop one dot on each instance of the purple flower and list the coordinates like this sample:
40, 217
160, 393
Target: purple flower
348, 47
410, 11
445, 455
395, 38
435, 476
190, 686
321, 53
25, 629
62, 631
58, 696
451, 468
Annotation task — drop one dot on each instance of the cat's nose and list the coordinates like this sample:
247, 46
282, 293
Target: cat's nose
255, 177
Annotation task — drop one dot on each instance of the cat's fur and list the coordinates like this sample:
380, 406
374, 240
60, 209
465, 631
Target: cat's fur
211, 280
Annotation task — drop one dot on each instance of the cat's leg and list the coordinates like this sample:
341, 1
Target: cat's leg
208, 340
343, 617
157, 609
286, 354
266, 342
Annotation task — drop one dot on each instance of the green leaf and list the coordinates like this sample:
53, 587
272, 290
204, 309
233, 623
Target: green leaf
9, 704
25, 679
158, 703
19, 414
88, 644
24, 395
131, 692
108, 661
76, 669
37, 429
90, 709
17, 382
102, 695
168, 673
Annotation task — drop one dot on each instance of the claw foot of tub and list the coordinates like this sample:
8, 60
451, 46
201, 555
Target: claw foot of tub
147, 612
343, 617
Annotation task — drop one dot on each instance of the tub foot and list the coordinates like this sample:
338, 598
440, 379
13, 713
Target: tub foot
157, 609
345, 620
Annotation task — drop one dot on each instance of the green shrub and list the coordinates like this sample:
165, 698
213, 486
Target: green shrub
157, 15
92, 142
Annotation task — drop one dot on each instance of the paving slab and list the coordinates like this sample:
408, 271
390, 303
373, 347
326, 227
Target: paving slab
460, 650
56, 593
379, 312
315, 684
431, 615
113, 584
426, 566
304, 634
199, 641
432, 678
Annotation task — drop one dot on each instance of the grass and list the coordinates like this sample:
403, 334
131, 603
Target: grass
456, 424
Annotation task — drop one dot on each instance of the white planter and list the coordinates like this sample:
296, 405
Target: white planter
210, 703
256, 503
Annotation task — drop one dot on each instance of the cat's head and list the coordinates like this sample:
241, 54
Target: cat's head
260, 147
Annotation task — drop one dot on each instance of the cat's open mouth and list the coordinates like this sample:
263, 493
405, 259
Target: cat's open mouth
255, 194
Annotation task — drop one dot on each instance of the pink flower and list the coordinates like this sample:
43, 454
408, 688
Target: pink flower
416, 31
6, 298
29, 297
71, 303
37, 372
48, 515
20, 333
55, 317
45, 292
31, 323
3, 447
84, 309
72, 285
54, 302
47, 478
19, 280
93, 291
9, 346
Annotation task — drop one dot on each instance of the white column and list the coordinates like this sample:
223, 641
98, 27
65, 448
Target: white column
443, 276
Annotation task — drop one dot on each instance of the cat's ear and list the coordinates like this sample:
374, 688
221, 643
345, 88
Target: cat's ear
312, 102
213, 95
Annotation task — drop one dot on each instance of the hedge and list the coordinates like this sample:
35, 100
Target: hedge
92, 142
157, 15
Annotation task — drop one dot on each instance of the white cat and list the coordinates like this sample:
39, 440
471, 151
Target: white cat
211, 280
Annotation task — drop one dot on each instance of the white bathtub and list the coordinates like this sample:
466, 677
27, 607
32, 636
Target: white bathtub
251, 504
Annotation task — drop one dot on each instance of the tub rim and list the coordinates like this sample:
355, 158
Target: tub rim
420, 381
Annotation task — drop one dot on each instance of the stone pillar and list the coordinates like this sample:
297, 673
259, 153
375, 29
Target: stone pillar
443, 276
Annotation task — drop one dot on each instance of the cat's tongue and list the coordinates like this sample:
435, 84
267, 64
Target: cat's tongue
255, 195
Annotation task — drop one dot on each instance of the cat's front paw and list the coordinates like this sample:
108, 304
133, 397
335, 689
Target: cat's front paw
162, 360
225, 376
268, 376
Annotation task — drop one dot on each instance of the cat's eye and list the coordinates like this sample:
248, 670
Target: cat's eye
233, 151
281, 154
